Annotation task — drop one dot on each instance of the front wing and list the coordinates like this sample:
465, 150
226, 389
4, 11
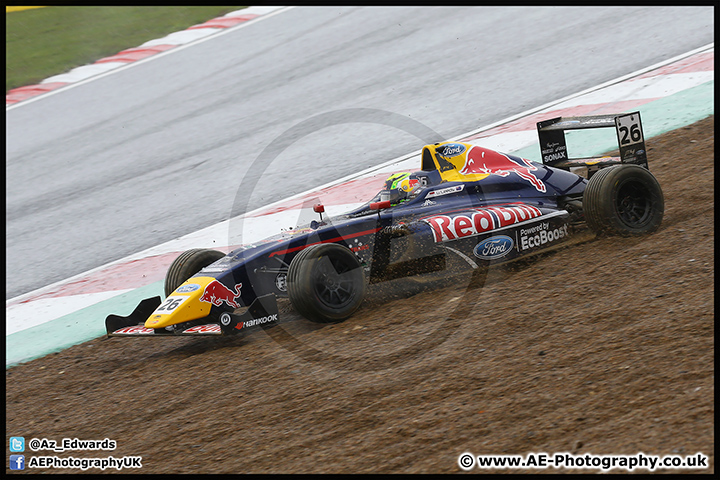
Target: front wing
262, 312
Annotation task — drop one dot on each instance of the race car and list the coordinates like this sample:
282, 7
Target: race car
465, 202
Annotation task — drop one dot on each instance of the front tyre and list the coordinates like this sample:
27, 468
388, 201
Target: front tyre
623, 200
326, 283
188, 264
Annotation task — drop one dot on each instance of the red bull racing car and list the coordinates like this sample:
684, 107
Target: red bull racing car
465, 202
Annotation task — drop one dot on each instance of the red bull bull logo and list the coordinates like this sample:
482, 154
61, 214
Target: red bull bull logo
217, 293
488, 162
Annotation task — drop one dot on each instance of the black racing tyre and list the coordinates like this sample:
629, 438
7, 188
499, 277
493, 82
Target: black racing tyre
326, 283
623, 200
188, 264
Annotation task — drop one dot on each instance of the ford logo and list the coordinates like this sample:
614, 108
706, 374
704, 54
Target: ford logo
453, 150
190, 287
494, 247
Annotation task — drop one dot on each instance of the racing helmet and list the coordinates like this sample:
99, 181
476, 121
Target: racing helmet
398, 187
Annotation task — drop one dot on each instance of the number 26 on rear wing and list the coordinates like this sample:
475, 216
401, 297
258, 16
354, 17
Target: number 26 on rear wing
630, 138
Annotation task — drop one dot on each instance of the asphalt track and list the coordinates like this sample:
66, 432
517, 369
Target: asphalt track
153, 152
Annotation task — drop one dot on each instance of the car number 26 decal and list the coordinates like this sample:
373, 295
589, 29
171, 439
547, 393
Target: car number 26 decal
628, 129
170, 304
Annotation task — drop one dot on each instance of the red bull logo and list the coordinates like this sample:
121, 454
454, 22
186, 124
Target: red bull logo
134, 330
446, 228
217, 293
204, 329
488, 162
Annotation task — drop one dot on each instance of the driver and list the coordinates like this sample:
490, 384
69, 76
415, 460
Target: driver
398, 187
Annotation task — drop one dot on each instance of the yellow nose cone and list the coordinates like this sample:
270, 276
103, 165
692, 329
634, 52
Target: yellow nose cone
190, 301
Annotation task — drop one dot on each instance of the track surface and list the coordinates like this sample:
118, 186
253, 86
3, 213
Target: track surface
134, 159
606, 347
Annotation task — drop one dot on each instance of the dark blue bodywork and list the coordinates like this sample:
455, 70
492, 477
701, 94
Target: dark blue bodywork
369, 232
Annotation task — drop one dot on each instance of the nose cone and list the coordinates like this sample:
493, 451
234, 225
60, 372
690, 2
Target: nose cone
184, 304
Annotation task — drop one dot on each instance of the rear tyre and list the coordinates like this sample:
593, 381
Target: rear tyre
623, 200
188, 264
326, 283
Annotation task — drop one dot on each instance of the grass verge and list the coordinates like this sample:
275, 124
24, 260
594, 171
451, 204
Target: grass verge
43, 42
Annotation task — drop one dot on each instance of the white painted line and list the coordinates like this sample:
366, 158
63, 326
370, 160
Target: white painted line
183, 37
78, 74
253, 10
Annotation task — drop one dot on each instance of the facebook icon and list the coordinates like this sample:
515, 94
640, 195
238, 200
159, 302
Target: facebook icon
17, 462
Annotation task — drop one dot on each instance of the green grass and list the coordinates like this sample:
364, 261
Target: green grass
43, 42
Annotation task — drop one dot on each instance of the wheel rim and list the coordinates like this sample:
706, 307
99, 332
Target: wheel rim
634, 206
334, 283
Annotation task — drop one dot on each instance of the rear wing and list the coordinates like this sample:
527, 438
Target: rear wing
631, 141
